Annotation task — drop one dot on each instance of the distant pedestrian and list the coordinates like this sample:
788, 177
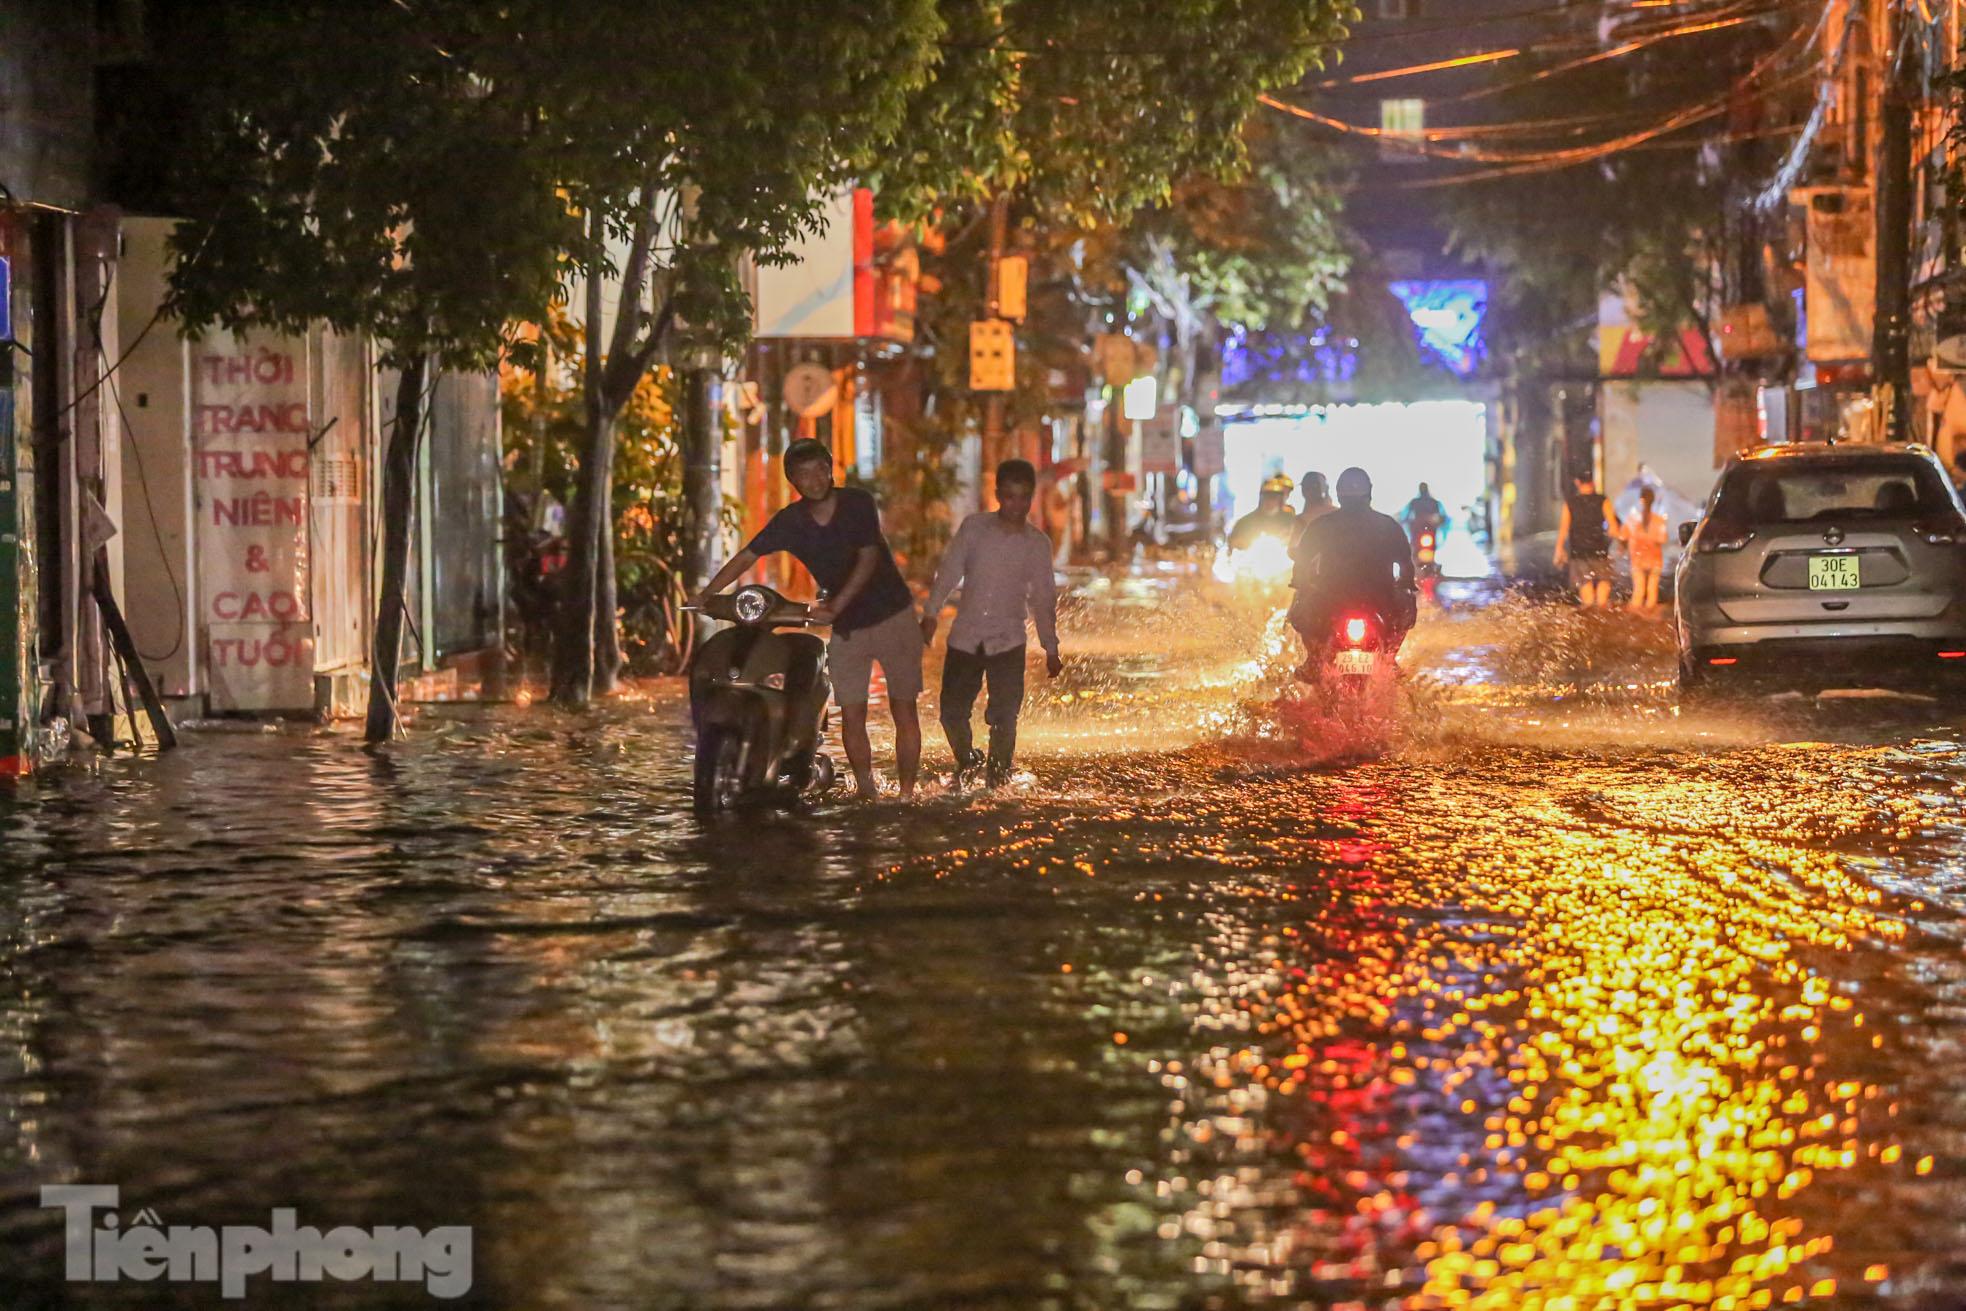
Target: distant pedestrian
1583, 541
835, 532
1645, 539
1002, 563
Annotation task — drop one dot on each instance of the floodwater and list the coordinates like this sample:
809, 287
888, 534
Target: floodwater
1543, 995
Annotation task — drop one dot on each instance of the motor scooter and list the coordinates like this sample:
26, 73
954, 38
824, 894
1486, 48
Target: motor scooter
758, 699
1355, 662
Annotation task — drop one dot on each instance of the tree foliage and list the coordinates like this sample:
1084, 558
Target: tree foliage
1262, 248
690, 136
350, 171
1091, 111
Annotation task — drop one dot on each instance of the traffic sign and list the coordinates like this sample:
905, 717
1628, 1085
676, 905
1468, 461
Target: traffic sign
992, 356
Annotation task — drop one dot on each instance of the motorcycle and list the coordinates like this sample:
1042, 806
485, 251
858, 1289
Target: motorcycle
758, 699
1355, 664
1262, 565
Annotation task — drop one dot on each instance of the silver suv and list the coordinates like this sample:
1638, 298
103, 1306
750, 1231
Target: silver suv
1825, 566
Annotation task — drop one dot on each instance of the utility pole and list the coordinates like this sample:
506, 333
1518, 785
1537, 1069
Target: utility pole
1891, 330
993, 402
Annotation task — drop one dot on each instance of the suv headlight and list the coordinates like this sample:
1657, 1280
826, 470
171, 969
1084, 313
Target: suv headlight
751, 605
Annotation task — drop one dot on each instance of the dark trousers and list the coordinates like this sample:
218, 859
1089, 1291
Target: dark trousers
963, 676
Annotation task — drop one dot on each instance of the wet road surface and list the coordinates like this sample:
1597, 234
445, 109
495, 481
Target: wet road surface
1544, 996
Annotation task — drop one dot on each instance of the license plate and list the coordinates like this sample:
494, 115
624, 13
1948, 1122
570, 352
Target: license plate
1355, 662
1832, 573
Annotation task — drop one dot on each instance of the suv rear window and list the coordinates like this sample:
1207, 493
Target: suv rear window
1799, 491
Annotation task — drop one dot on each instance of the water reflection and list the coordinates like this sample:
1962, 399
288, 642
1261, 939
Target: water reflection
1552, 997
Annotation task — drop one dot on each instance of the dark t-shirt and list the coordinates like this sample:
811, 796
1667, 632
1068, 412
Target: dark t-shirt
1354, 556
827, 550
1590, 535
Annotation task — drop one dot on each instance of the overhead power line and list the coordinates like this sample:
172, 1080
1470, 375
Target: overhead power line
1732, 13
1618, 51
1534, 160
1523, 170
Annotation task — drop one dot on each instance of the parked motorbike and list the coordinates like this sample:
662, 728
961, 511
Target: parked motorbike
758, 699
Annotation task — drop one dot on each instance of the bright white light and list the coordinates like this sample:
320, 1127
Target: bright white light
1441, 443
1354, 631
1266, 561
1142, 399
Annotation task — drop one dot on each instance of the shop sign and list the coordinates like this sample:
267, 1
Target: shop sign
1840, 286
1160, 443
811, 390
250, 431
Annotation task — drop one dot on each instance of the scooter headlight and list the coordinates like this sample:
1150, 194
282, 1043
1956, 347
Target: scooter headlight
751, 605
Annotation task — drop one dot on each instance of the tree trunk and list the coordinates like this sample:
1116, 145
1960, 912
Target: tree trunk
398, 492
703, 479
575, 625
607, 605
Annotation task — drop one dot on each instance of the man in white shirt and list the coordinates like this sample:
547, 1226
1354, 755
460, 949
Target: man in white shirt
1002, 562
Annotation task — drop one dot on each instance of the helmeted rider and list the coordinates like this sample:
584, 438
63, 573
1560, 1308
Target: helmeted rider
1272, 516
1354, 558
1424, 512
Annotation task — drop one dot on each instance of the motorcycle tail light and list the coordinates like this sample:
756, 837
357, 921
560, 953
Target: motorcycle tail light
1355, 631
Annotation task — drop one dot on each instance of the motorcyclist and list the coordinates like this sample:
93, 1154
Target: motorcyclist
1317, 504
1272, 516
1422, 513
1354, 558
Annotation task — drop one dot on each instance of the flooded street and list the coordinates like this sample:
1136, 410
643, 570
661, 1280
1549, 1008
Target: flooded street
1547, 996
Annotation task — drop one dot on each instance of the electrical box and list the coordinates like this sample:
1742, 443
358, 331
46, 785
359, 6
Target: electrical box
992, 356
1013, 273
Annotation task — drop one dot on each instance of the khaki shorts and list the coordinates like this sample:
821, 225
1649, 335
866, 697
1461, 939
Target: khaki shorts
1588, 569
895, 644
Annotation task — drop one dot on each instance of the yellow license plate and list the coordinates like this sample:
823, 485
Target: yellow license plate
1832, 573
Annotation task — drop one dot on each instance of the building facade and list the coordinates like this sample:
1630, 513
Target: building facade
191, 512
